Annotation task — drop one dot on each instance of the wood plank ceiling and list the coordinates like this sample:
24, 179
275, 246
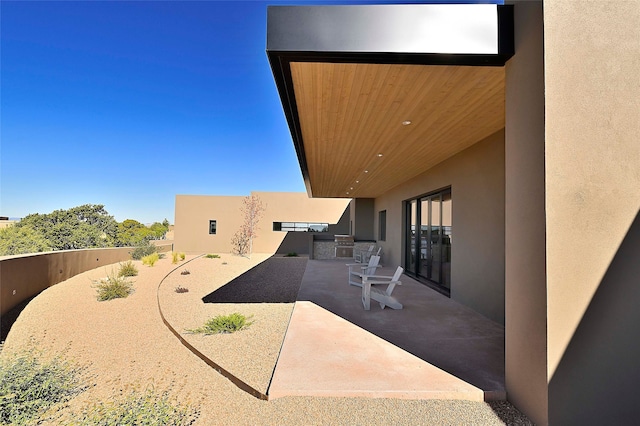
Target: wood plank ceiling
351, 118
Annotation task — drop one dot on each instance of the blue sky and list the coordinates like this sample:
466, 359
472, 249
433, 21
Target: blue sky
127, 104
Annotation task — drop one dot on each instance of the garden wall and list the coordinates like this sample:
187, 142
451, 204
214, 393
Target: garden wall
25, 276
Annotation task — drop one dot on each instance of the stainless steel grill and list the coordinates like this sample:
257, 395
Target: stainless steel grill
344, 245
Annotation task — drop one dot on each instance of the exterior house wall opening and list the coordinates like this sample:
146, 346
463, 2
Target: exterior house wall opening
428, 236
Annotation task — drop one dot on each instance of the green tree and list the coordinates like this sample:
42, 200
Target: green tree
86, 226
132, 233
158, 229
22, 239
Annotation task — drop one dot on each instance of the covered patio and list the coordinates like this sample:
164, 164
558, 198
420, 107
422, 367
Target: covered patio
434, 348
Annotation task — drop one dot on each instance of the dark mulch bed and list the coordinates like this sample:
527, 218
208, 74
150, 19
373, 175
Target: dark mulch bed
276, 280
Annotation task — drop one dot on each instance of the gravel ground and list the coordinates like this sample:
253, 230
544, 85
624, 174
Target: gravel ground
250, 355
124, 344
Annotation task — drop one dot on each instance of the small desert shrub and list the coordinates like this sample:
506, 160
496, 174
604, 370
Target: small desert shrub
151, 259
145, 248
139, 408
185, 272
240, 242
224, 324
174, 257
127, 269
292, 254
182, 256
29, 387
113, 287
181, 289
224, 263
212, 256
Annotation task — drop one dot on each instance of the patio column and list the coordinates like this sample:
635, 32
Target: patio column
525, 220
362, 218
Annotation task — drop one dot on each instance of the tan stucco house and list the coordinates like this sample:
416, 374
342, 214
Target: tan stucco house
493, 151
290, 222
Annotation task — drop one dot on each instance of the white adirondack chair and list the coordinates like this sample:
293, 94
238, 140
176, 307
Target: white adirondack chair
381, 296
377, 254
358, 270
362, 256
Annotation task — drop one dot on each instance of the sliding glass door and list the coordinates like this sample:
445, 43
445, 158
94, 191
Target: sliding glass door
428, 238
410, 264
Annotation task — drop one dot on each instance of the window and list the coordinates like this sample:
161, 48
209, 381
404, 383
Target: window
300, 227
212, 227
382, 225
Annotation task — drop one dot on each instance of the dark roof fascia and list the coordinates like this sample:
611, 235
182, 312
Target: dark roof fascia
280, 61
281, 71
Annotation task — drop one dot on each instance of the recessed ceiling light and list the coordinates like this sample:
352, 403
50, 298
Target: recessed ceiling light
347, 192
379, 155
406, 122
351, 187
357, 181
366, 171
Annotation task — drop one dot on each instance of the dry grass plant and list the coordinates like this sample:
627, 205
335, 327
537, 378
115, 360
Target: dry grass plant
223, 324
127, 269
112, 287
144, 408
151, 259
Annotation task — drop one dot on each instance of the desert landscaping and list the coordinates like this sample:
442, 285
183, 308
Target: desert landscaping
123, 346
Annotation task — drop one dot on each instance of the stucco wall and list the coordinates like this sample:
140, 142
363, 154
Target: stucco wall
525, 273
193, 213
25, 276
476, 178
592, 63
362, 212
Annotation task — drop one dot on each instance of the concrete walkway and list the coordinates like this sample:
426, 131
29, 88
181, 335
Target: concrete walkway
434, 348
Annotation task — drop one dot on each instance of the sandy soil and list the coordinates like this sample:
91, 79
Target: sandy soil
124, 344
250, 355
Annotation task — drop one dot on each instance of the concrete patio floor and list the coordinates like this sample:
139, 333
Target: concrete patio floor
434, 348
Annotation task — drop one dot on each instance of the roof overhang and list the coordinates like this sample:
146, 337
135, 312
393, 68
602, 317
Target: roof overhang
351, 77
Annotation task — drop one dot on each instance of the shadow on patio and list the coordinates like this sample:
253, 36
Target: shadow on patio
323, 350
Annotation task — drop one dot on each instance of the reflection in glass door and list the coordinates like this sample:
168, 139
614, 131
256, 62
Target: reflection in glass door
445, 241
411, 237
426, 263
429, 238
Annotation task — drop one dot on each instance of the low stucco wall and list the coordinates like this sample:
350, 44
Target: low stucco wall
326, 249
24, 276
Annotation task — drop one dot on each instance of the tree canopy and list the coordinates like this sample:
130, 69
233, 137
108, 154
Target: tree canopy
86, 226
19, 240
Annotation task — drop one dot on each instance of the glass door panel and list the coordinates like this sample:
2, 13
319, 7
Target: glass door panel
434, 240
411, 236
425, 250
446, 240
428, 238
